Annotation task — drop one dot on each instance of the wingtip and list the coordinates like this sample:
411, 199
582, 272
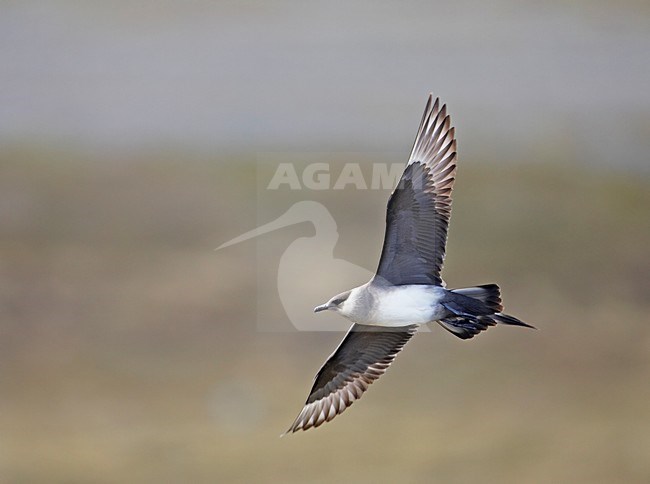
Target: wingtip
434, 102
432, 99
291, 430
295, 426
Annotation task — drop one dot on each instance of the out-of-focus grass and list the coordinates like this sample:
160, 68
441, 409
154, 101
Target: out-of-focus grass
130, 351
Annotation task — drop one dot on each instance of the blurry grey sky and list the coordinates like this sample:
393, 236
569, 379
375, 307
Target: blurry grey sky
524, 80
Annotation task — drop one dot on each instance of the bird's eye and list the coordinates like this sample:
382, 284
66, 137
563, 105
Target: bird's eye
338, 301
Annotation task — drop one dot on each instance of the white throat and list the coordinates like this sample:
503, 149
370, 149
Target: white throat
352, 304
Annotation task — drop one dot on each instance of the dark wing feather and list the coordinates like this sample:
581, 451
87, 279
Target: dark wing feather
363, 356
419, 208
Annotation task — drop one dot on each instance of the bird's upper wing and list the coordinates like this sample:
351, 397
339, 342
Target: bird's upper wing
420, 206
363, 356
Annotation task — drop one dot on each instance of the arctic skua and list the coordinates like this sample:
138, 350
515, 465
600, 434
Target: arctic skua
407, 290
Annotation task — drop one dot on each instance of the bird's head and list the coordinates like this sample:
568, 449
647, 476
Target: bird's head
334, 304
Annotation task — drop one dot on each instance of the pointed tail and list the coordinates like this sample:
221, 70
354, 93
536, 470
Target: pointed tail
469, 320
488, 294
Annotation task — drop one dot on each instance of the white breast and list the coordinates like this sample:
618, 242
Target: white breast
404, 305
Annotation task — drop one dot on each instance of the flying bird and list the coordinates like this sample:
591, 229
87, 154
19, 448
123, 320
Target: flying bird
407, 290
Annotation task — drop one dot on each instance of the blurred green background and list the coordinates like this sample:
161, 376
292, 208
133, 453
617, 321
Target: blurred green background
130, 138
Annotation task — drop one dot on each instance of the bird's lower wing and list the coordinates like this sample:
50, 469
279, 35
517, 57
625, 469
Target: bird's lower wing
363, 356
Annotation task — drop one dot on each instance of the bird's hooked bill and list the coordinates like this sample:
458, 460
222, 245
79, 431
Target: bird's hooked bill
322, 307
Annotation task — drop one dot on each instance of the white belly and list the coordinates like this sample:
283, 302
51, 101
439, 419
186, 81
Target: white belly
404, 305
